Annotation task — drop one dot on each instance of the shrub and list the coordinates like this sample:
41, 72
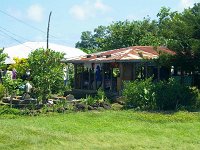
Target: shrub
7, 110
195, 101
172, 95
46, 72
90, 100
101, 95
2, 91
162, 95
140, 94
10, 85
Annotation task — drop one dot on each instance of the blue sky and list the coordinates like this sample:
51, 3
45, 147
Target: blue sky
71, 17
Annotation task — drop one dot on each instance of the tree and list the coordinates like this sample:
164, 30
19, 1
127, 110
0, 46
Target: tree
179, 31
46, 72
120, 34
3, 57
182, 33
87, 43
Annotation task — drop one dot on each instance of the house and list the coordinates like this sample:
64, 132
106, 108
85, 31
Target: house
109, 69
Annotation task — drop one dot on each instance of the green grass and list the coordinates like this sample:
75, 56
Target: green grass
102, 130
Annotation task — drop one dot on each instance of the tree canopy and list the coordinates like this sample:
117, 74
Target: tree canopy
182, 33
46, 72
179, 31
120, 34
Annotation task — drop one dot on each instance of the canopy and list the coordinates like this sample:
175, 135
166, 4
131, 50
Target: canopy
23, 50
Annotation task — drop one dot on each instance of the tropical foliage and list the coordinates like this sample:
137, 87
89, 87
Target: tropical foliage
21, 66
162, 95
179, 31
10, 84
2, 58
120, 34
2, 91
46, 72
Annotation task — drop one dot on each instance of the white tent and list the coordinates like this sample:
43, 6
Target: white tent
23, 50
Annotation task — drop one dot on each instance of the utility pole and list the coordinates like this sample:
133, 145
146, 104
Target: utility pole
48, 30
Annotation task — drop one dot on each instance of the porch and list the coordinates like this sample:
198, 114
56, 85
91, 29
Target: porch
110, 76
108, 70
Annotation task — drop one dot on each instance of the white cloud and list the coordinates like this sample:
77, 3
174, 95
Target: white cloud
35, 12
81, 12
187, 3
99, 5
89, 9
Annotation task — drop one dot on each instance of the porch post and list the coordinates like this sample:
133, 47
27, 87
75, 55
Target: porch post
95, 82
111, 79
103, 76
89, 84
133, 71
121, 76
82, 70
75, 75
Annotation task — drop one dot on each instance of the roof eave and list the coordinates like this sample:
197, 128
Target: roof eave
105, 61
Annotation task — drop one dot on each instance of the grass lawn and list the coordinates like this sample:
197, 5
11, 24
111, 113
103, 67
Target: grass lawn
102, 130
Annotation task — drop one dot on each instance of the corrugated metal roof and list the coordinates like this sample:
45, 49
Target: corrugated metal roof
134, 53
23, 50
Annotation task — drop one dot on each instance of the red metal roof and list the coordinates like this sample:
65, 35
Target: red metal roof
134, 53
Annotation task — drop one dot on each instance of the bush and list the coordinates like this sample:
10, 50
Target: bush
140, 94
172, 95
101, 95
2, 91
7, 110
162, 95
90, 100
46, 73
10, 85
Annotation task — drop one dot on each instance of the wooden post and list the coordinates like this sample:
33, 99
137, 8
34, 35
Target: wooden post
89, 84
141, 72
95, 82
121, 76
103, 77
82, 70
133, 71
48, 30
111, 79
75, 75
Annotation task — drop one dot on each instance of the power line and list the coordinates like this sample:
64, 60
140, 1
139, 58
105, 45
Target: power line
15, 39
13, 33
10, 32
31, 26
